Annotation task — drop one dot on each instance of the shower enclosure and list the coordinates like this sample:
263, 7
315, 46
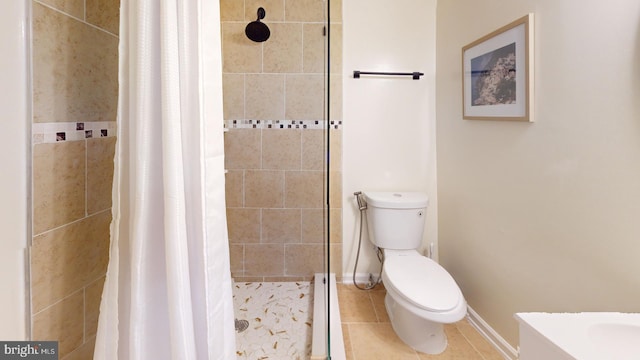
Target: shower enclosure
282, 112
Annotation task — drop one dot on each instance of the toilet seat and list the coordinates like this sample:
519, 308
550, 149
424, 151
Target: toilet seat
421, 282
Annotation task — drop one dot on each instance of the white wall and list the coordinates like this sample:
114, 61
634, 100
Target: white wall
389, 123
13, 182
544, 216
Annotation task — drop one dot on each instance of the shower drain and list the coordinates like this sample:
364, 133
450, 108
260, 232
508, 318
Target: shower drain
241, 325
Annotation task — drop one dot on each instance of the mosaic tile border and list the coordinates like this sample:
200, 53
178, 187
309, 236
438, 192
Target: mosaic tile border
282, 124
69, 131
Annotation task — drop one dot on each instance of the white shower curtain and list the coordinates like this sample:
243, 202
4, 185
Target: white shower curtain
167, 293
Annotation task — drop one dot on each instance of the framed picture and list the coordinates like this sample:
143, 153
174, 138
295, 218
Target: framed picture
497, 72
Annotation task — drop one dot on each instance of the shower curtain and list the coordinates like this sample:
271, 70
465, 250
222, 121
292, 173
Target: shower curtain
167, 293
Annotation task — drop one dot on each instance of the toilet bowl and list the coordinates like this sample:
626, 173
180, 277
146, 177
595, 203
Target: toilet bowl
421, 297
421, 294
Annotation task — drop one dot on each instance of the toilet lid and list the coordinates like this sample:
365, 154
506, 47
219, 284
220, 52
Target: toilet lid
422, 282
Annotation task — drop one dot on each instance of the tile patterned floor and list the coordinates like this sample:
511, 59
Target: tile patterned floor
279, 315
368, 333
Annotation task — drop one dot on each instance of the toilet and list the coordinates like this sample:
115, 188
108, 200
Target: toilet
421, 295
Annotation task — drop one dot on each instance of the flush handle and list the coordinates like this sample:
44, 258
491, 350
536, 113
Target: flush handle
420, 213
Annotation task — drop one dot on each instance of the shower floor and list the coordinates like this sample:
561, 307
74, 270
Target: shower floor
280, 319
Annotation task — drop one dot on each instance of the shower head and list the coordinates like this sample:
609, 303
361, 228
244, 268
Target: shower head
256, 30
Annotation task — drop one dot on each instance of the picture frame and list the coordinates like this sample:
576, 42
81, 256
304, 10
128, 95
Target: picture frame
497, 72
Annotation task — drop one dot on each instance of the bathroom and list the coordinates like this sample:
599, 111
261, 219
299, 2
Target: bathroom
534, 216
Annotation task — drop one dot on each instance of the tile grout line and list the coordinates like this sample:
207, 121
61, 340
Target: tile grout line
473, 346
353, 352
71, 223
77, 18
56, 302
375, 311
86, 178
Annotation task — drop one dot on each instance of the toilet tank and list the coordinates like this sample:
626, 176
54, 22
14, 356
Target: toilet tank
396, 219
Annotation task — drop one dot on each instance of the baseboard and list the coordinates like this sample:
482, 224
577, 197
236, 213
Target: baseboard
498, 342
361, 278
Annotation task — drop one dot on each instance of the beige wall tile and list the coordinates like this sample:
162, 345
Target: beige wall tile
104, 14
231, 10
234, 188
305, 10
75, 78
84, 352
274, 10
313, 226
100, 153
335, 84
281, 149
243, 225
264, 189
313, 48
335, 259
281, 225
335, 150
248, 278
58, 184
283, 50
303, 259
72, 7
236, 253
292, 48
243, 149
335, 222
74, 69
335, 44
264, 97
335, 187
62, 322
233, 96
69, 258
239, 54
304, 189
92, 297
305, 97
335, 11
264, 260
313, 150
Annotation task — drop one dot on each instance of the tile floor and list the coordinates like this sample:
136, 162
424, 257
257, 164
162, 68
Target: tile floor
279, 315
368, 333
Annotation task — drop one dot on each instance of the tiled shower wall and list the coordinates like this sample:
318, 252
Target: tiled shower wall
75, 84
275, 147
